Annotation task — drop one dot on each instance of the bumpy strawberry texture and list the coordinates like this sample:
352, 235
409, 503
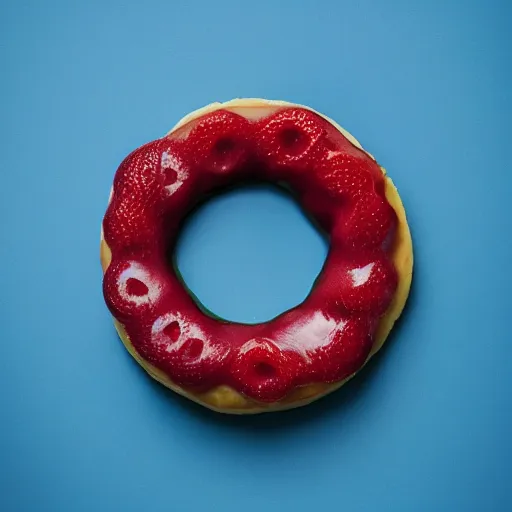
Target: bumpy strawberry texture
326, 338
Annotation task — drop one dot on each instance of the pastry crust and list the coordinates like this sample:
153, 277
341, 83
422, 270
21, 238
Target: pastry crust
224, 398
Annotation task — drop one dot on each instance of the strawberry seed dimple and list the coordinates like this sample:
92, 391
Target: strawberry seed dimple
290, 137
171, 176
173, 331
136, 287
192, 348
224, 145
264, 370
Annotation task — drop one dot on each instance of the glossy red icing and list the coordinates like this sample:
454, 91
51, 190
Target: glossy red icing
326, 338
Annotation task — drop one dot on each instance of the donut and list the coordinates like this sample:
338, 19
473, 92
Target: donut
307, 351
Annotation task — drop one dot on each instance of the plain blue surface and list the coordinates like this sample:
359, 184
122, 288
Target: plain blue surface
425, 86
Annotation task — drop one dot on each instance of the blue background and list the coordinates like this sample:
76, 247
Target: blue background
425, 86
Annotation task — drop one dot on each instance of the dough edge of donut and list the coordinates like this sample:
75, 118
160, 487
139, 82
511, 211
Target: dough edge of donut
223, 398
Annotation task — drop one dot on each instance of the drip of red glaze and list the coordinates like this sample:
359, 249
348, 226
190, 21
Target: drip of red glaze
325, 339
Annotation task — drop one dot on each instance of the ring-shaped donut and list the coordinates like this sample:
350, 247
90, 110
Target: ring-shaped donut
305, 352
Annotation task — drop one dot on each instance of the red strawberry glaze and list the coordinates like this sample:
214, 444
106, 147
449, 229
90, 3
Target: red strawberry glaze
326, 338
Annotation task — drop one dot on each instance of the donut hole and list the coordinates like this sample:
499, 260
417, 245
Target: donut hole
293, 140
224, 146
172, 331
248, 254
136, 287
171, 177
265, 370
192, 348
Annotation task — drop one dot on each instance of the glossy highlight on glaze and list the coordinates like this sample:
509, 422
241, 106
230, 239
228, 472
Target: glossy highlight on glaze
326, 338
